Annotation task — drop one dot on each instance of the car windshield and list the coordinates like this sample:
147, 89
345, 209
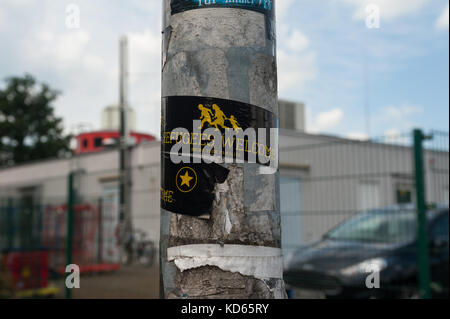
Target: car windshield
381, 225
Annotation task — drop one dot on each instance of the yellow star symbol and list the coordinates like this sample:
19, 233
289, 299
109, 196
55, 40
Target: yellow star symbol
186, 179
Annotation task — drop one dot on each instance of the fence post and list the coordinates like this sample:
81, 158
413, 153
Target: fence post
10, 223
69, 225
421, 205
100, 231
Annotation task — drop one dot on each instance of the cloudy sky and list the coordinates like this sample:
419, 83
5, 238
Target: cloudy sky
327, 58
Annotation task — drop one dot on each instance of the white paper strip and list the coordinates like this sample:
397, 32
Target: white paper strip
255, 261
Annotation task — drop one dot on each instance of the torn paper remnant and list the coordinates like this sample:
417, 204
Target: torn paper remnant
256, 261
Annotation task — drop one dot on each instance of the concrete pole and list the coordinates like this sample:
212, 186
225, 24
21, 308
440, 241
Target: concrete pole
124, 209
230, 54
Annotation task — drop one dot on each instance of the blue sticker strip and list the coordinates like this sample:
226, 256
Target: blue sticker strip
264, 6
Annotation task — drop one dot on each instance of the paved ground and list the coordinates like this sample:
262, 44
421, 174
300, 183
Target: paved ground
130, 282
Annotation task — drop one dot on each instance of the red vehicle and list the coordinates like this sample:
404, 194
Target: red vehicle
96, 141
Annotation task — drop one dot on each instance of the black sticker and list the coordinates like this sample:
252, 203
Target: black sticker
188, 180
188, 189
228, 120
263, 6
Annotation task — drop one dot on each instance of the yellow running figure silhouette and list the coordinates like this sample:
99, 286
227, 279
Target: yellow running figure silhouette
219, 117
206, 116
234, 122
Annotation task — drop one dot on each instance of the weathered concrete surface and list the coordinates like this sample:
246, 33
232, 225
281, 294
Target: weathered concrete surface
214, 283
229, 54
248, 227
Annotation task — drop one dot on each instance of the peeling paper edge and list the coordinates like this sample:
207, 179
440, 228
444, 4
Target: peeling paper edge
263, 263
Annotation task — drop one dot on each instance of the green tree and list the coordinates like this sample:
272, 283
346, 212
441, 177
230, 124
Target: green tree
29, 130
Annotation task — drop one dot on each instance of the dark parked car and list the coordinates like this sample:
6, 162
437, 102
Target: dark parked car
381, 241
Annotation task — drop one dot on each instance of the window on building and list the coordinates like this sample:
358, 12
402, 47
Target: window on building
110, 223
404, 190
25, 220
5, 227
85, 143
98, 142
404, 193
403, 196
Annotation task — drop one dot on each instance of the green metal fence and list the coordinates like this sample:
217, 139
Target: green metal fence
359, 219
48, 223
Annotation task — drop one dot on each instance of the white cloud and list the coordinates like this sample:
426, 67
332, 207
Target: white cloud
297, 41
393, 132
83, 63
63, 50
360, 136
398, 119
9, 8
394, 136
145, 74
327, 120
442, 21
389, 9
297, 62
86, 78
294, 70
398, 113
282, 8
17, 3
2, 19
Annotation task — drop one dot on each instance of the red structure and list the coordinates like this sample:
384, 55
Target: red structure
95, 247
96, 141
29, 270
